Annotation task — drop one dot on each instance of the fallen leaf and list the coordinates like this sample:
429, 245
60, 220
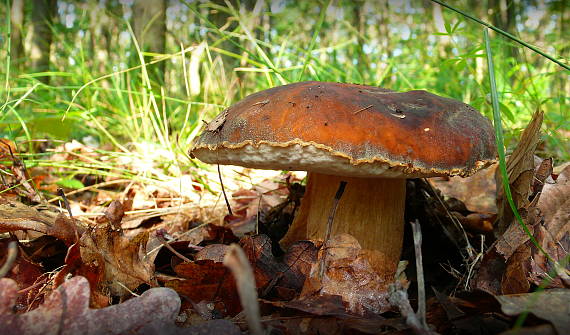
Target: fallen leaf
17, 216
114, 213
473, 312
121, 256
520, 170
516, 260
349, 275
28, 275
66, 311
328, 314
266, 268
207, 280
213, 252
477, 192
551, 305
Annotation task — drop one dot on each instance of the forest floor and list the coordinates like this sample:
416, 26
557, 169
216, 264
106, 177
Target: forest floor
143, 256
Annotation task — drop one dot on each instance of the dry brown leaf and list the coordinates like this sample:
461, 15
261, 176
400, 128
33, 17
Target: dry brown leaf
27, 274
514, 258
17, 216
551, 305
554, 203
285, 277
477, 192
300, 258
213, 252
520, 170
207, 280
266, 268
114, 213
121, 256
66, 311
349, 275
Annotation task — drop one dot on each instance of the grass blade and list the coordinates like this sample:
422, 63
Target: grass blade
500, 144
504, 33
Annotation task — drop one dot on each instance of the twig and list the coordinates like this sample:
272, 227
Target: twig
330, 220
399, 298
160, 236
362, 109
236, 260
10, 258
87, 188
65, 201
417, 234
224, 191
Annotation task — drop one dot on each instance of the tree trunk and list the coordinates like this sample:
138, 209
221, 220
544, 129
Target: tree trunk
16, 43
503, 16
149, 25
43, 12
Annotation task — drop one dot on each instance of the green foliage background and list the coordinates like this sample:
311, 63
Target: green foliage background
100, 90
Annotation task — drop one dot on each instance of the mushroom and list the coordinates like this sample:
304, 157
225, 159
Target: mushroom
371, 137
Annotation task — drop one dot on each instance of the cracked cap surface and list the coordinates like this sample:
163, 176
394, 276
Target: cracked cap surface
350, 130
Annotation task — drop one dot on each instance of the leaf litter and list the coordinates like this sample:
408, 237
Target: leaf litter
142, 255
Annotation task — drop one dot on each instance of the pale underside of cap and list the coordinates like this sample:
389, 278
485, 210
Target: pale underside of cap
312, 157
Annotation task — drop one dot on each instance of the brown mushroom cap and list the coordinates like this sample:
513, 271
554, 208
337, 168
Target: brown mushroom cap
350, 130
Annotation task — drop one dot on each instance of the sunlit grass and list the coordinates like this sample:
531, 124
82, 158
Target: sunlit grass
117, 103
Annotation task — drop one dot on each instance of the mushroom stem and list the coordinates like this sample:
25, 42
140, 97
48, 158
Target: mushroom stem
371, 210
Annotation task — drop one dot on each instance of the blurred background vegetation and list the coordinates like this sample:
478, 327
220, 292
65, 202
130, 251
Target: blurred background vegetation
135, 77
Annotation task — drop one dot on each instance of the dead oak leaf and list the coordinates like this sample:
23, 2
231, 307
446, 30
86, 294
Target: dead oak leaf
120, 255
206, 280
66, 311
516, 260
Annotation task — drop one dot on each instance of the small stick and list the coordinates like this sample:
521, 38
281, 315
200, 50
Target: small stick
224, 191
65, 201
362, 109
161, 239
10, 258
236, 260
399, 297
330, 220
263, 103
417, 234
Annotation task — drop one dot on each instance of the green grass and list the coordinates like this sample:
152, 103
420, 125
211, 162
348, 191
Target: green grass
209, 67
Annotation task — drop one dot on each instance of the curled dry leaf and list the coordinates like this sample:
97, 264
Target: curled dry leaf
114, 213
207, 279
121, 257
66, 311
513, 263
17, 216
349, 275
520, 170
252, 204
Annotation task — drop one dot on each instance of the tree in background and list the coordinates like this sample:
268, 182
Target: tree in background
149, 25
16, 43
43, 12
